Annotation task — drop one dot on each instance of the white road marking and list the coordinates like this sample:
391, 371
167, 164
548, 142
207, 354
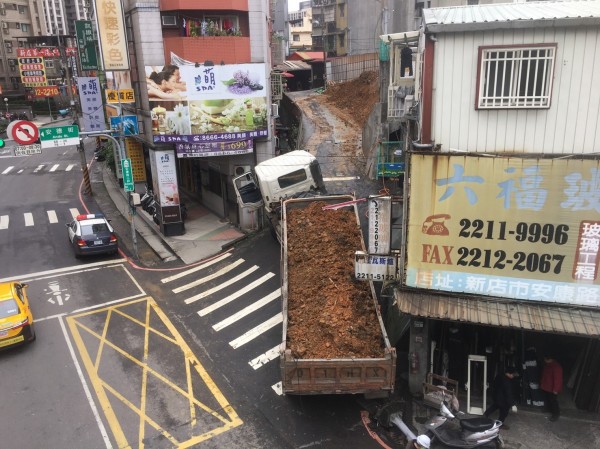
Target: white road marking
236, 295
70, 270
39, 167
193, 270
265, 358
20, 171
54, 167
86, 389
4, 222
74, 213
221, 286
52, 218
247, 310
70, 166
8, 169
221, 272
28, 218
255, 332
278, 388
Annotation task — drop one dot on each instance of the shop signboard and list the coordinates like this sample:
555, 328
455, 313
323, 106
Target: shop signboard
111, 34
206, 104
32, 71
91, 103
86, 44
519, 228
165, 184
208, 149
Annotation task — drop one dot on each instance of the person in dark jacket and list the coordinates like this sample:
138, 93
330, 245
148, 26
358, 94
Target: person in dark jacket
552, 384
503, 398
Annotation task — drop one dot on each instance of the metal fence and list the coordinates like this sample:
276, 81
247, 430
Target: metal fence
346, 68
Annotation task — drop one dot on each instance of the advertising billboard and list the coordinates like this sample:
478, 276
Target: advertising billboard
519, 228
195, 105
111, 34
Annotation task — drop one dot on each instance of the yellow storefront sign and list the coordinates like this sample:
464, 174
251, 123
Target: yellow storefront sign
509, 227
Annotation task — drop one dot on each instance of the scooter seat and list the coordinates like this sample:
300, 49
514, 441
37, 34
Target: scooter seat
476, 424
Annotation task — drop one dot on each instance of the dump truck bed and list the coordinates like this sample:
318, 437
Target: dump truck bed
344, 373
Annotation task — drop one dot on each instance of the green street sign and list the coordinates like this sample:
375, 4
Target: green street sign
128, 183
86, 44
59, 136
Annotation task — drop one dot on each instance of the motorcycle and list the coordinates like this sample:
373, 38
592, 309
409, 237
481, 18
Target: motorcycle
480, 432
447, 430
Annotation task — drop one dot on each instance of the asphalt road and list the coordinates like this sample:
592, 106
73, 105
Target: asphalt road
153, 355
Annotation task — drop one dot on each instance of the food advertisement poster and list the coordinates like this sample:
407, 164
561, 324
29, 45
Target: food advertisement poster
195, 105
526, 229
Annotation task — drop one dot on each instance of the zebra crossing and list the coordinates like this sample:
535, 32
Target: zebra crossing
12, 170
28, 219
209, 300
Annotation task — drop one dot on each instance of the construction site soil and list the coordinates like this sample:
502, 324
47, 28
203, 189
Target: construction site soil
330, 314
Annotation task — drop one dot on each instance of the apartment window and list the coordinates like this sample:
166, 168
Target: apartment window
472, 2
296, 37
17, 25
517, 77
49, 63
342, 8
22, 9
25, 27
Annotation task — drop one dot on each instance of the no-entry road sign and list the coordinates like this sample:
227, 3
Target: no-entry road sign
23, 132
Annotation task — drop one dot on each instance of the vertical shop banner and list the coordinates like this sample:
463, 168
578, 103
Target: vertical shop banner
91, 103
165, 185
526, 229
207, 104
111, 34
86, 44
32, 71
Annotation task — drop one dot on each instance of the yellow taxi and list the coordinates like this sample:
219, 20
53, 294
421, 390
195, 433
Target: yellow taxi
16, 320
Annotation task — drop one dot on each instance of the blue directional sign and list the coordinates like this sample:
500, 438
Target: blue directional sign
125, 125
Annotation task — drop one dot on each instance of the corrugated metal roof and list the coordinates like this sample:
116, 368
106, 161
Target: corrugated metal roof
306, 56
512, 15
290, 66
521, 315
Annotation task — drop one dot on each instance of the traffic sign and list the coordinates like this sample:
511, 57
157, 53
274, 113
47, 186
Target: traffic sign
27, 150
23, 132
127, 175
59, 136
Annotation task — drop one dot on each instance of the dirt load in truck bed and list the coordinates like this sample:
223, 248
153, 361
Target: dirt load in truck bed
330, 314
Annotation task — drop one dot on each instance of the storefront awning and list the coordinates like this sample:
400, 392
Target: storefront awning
521, 315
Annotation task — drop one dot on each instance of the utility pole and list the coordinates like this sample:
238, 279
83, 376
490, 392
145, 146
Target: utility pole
86, 175
65, 64
324, 39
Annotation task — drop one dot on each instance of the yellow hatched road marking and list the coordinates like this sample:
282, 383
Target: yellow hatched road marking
224, 413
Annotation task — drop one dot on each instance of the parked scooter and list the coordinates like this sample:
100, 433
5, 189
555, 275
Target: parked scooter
449, 431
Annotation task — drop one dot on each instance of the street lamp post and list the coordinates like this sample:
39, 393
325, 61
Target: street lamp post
6, 103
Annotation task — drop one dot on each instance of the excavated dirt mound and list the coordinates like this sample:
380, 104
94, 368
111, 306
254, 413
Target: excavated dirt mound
356, 98
330, 314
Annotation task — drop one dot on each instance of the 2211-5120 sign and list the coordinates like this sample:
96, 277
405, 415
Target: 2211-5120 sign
507, 227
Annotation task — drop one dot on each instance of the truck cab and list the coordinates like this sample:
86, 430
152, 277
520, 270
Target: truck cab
287, 176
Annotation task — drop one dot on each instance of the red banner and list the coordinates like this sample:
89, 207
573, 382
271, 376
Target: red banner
49, 91
44, 52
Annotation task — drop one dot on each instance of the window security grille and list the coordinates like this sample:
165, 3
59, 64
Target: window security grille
516, 77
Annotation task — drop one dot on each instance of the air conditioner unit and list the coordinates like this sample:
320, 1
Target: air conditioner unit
239, 170
169, 21
275, 110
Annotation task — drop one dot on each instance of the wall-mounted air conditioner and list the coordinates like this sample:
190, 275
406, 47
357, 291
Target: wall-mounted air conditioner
169, 21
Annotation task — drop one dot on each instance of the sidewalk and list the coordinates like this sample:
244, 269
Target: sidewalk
205, 233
